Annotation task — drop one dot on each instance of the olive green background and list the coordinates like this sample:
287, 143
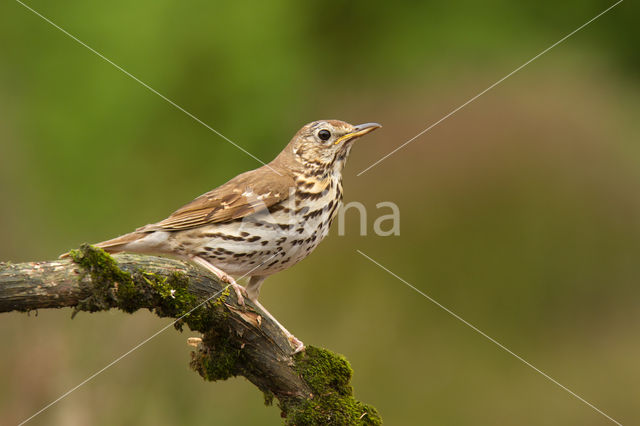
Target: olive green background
520, 213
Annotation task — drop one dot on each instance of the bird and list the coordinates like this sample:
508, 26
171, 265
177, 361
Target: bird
262, 221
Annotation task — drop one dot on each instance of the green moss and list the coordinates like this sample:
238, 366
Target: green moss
268, 398
173, 299
328, 375
110, 286
167, 296
222, 298
323, 370
218, 358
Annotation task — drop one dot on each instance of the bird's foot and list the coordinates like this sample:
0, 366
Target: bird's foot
241, 292
297, 344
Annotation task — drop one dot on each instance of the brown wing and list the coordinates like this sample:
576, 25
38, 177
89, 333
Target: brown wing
242, 196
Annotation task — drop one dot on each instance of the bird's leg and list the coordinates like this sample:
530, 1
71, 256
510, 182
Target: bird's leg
240, 291
253, 286
295, 342
253, 289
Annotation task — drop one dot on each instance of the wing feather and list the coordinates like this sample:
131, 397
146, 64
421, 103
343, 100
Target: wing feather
244, 195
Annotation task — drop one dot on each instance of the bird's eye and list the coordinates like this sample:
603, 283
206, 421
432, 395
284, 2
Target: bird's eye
324, 135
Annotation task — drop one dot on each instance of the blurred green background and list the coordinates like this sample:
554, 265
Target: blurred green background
521, 212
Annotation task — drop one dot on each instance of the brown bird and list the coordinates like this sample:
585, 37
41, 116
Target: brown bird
262, 221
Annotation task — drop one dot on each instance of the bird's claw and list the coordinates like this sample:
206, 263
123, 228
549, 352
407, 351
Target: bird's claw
241, 292
296, 343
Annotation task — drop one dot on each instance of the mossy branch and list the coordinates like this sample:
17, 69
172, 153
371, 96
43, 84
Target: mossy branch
312, 387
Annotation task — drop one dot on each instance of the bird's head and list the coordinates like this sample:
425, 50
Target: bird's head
326, 143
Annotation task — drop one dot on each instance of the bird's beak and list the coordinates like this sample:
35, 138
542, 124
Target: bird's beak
360, 130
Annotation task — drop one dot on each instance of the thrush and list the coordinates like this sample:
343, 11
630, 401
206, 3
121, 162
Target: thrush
262, 221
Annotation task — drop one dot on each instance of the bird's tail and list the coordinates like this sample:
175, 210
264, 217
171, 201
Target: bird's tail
115, 245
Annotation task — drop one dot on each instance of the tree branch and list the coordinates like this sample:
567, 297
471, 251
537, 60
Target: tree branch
312, 387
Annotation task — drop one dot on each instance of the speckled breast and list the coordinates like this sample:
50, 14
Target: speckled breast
273, 239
